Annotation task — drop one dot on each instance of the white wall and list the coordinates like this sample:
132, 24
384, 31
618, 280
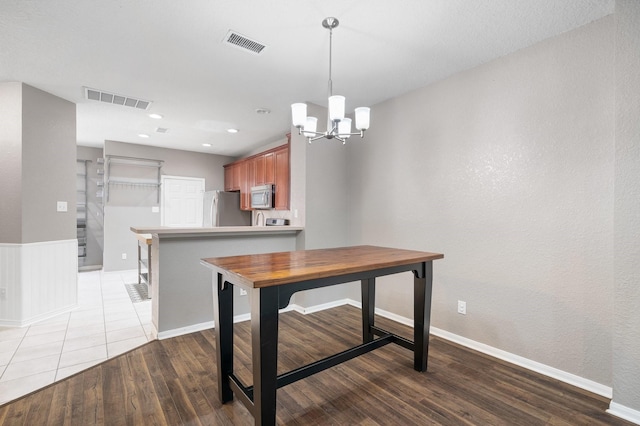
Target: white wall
507, 169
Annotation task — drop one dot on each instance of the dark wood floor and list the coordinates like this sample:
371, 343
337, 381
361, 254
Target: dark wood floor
173, 382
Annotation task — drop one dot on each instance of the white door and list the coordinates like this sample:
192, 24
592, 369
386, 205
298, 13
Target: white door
181, 201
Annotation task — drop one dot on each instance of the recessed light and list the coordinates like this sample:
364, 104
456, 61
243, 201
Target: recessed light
206, 144
143, 135
156, 116
232, 130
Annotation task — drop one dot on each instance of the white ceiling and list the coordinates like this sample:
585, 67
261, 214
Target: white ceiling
171, 52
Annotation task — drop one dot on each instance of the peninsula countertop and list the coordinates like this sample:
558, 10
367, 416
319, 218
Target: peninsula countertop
176, 232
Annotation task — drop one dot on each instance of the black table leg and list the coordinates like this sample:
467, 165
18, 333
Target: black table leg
223, 317
422, 284
264, 347
368, 308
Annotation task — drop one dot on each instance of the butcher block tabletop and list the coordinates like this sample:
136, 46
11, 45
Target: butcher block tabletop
273, 269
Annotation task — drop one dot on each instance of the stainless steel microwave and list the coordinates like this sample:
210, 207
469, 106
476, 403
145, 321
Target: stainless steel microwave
262, 197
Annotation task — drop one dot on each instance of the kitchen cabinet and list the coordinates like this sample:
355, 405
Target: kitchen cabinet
228, 177
282, 179
232, 177
269, 167
258, 170
245, 185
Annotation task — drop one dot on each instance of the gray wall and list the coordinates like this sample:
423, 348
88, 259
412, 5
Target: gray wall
11, 162
95, 220
39, 168
132, 207
508, 170
626, 324
326, 201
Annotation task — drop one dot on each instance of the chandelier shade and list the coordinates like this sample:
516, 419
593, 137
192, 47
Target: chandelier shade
338, 126
299, 114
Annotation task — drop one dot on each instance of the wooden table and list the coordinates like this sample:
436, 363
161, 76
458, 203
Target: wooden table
273, 278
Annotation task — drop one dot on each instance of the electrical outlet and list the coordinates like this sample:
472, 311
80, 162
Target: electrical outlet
243, 292
124, 256
462, 307
61, 206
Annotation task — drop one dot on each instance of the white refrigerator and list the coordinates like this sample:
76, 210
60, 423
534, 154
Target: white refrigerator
223, 209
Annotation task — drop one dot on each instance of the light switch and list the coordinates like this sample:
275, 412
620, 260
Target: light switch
62, 206
155, 209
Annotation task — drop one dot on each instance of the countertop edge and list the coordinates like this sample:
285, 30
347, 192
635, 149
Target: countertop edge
169, 232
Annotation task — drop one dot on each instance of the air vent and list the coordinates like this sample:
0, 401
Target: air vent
162, 130
111, 98
238, 40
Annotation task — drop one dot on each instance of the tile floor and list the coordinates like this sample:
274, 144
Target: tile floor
104, 325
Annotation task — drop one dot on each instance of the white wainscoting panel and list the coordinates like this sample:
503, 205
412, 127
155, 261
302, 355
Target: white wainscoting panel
37, 281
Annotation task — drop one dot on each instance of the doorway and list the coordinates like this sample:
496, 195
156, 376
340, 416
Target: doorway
181, 201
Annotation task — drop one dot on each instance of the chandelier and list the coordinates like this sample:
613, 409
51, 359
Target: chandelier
338, 126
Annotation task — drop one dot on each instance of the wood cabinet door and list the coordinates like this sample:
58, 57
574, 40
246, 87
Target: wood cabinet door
238, 177
270, 168
228, 177
259, 170
245, 187
282, 179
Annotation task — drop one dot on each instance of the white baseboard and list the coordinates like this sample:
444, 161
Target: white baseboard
543, 369
236, 319
624, 412
185, 330
316, 308
580, 382
38, 318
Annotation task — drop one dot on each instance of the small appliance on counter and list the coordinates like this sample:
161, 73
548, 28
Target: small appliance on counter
272, 221
223, 209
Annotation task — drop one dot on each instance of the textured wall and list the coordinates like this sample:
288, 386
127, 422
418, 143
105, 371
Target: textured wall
326, 202
37, 142
48, 166
626, 336
507, 169
11, 162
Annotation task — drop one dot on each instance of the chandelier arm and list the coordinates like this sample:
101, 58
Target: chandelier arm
320, 136
360, 133
333, 131
334, 127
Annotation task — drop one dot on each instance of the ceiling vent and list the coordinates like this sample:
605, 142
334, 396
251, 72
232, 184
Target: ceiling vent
241, 42
162, 130
111, 98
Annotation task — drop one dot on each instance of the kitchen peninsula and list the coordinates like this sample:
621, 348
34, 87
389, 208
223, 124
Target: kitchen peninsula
181, 289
